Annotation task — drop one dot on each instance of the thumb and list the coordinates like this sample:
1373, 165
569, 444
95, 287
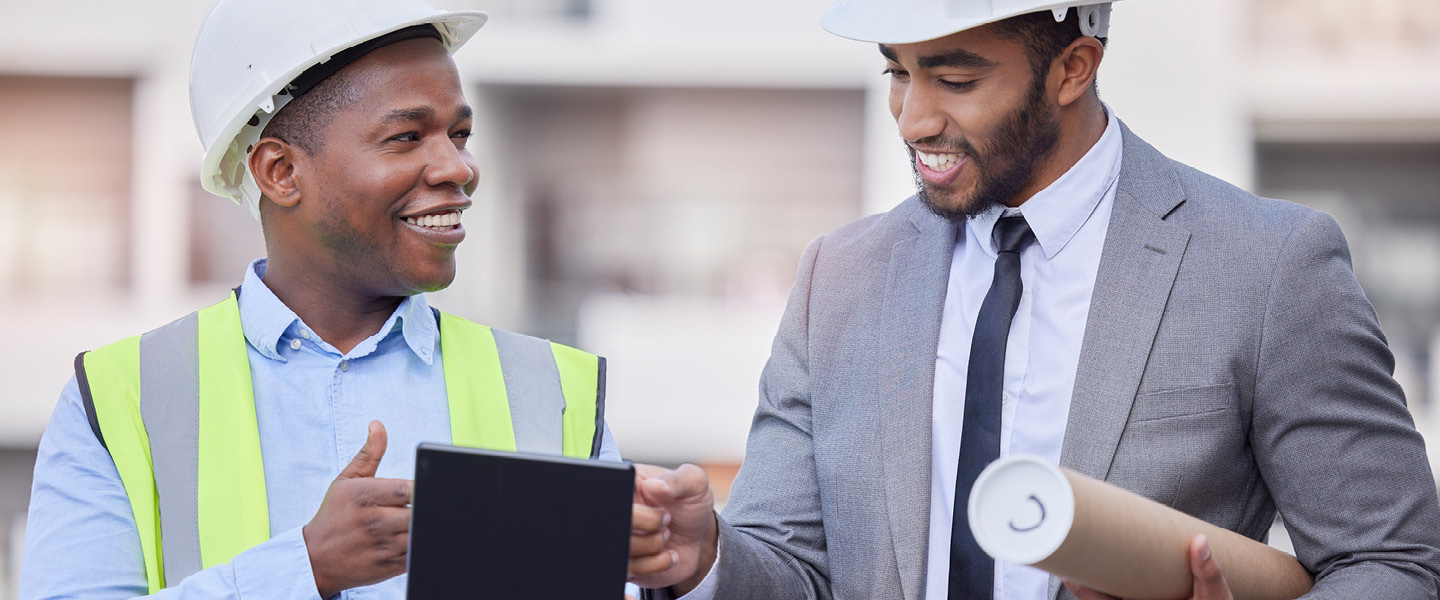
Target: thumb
1209, 581
367, 460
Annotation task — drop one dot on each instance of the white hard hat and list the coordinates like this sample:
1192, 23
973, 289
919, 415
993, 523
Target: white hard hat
910, 21
249, 51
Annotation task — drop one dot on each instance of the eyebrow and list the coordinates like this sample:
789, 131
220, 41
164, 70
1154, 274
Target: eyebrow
421, 113
410, 114
957, 58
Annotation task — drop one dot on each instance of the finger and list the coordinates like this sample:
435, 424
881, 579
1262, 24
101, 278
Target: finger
399, 545
686, 482
1209, 581
386, 523
646, 545
1083, 593
385, 492
650, 565
394, 563
643, 473
648, 519
367, 460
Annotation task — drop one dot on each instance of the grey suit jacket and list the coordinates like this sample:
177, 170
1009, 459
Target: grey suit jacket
1231, 366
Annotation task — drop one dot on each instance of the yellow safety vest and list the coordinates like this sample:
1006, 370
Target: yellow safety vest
176, 410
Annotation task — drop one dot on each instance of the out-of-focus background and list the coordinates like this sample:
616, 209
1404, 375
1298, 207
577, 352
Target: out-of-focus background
651, 171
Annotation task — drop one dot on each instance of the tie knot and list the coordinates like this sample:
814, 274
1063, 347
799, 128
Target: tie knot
1011, 233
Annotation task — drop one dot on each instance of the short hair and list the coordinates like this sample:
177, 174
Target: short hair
1042, 36
302, 122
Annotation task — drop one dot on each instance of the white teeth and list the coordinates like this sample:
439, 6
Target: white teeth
938, 162
449, 219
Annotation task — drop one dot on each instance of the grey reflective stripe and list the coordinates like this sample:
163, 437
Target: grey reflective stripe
532, 385
170, 407
599, 411
82, 381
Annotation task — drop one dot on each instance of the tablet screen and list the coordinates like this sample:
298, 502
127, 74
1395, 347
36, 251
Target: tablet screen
543, 526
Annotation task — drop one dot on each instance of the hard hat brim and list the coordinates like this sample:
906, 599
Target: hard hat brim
913, 21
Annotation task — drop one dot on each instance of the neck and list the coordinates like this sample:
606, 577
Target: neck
1081, 126
337, 313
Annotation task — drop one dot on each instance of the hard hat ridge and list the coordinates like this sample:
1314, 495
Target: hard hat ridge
314, 75
911, 21
251, 56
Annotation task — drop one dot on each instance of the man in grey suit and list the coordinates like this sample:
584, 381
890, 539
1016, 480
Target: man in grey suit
1058, 287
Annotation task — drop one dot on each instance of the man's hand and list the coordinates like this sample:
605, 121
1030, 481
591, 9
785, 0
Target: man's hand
1209, 581
674, 534
361, 533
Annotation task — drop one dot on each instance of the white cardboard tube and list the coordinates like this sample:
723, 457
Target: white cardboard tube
1025, 510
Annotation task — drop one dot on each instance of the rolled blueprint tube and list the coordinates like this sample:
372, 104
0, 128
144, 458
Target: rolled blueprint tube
1025, 510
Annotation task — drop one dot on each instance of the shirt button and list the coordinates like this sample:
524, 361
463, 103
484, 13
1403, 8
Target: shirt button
344, 365
305, 334
1005, 397
294, 344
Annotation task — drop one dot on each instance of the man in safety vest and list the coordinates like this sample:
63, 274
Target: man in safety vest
237, 452
1058, 288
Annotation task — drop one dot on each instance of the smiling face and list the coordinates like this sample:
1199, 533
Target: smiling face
978, 121
376, 207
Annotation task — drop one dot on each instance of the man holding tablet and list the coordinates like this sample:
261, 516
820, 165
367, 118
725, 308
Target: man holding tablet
237, 452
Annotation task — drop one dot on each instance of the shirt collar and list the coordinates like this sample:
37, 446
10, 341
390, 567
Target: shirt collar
1057, 212
266, 321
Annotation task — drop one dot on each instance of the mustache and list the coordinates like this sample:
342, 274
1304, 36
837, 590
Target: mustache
945, 145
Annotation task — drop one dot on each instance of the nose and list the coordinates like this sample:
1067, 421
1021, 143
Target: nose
450, 165
916, 111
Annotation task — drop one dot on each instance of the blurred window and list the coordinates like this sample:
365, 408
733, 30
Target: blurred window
674, 192
64, 184
1346, 26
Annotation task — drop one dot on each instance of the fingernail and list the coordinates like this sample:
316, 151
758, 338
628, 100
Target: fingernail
666, 535
674, 557
665, 520
1205, 545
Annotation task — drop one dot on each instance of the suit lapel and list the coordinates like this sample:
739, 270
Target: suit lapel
919, 272
1138, 265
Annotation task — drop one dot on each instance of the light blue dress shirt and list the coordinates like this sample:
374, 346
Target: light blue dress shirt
313, 404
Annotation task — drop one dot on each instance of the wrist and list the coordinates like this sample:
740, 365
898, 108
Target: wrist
709, 550
324, 585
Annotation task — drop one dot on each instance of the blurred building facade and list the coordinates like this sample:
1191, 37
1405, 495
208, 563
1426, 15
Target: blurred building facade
651, 171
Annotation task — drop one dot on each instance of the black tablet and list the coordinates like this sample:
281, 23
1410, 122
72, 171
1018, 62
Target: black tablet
489, 524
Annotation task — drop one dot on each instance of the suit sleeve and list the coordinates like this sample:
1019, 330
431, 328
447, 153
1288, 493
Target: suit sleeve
1333, 437
772, 537
80, 538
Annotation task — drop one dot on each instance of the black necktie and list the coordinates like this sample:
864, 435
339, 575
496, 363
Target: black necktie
972, 572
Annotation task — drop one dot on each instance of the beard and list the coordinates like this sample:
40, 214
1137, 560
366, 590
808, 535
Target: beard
1006, 164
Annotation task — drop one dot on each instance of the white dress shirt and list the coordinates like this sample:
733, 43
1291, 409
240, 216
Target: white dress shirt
1058, 270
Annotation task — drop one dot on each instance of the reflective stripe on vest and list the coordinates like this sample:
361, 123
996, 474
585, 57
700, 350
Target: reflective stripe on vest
188, 448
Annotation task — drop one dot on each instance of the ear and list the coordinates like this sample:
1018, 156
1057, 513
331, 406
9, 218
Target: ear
1078, 65
273, 165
